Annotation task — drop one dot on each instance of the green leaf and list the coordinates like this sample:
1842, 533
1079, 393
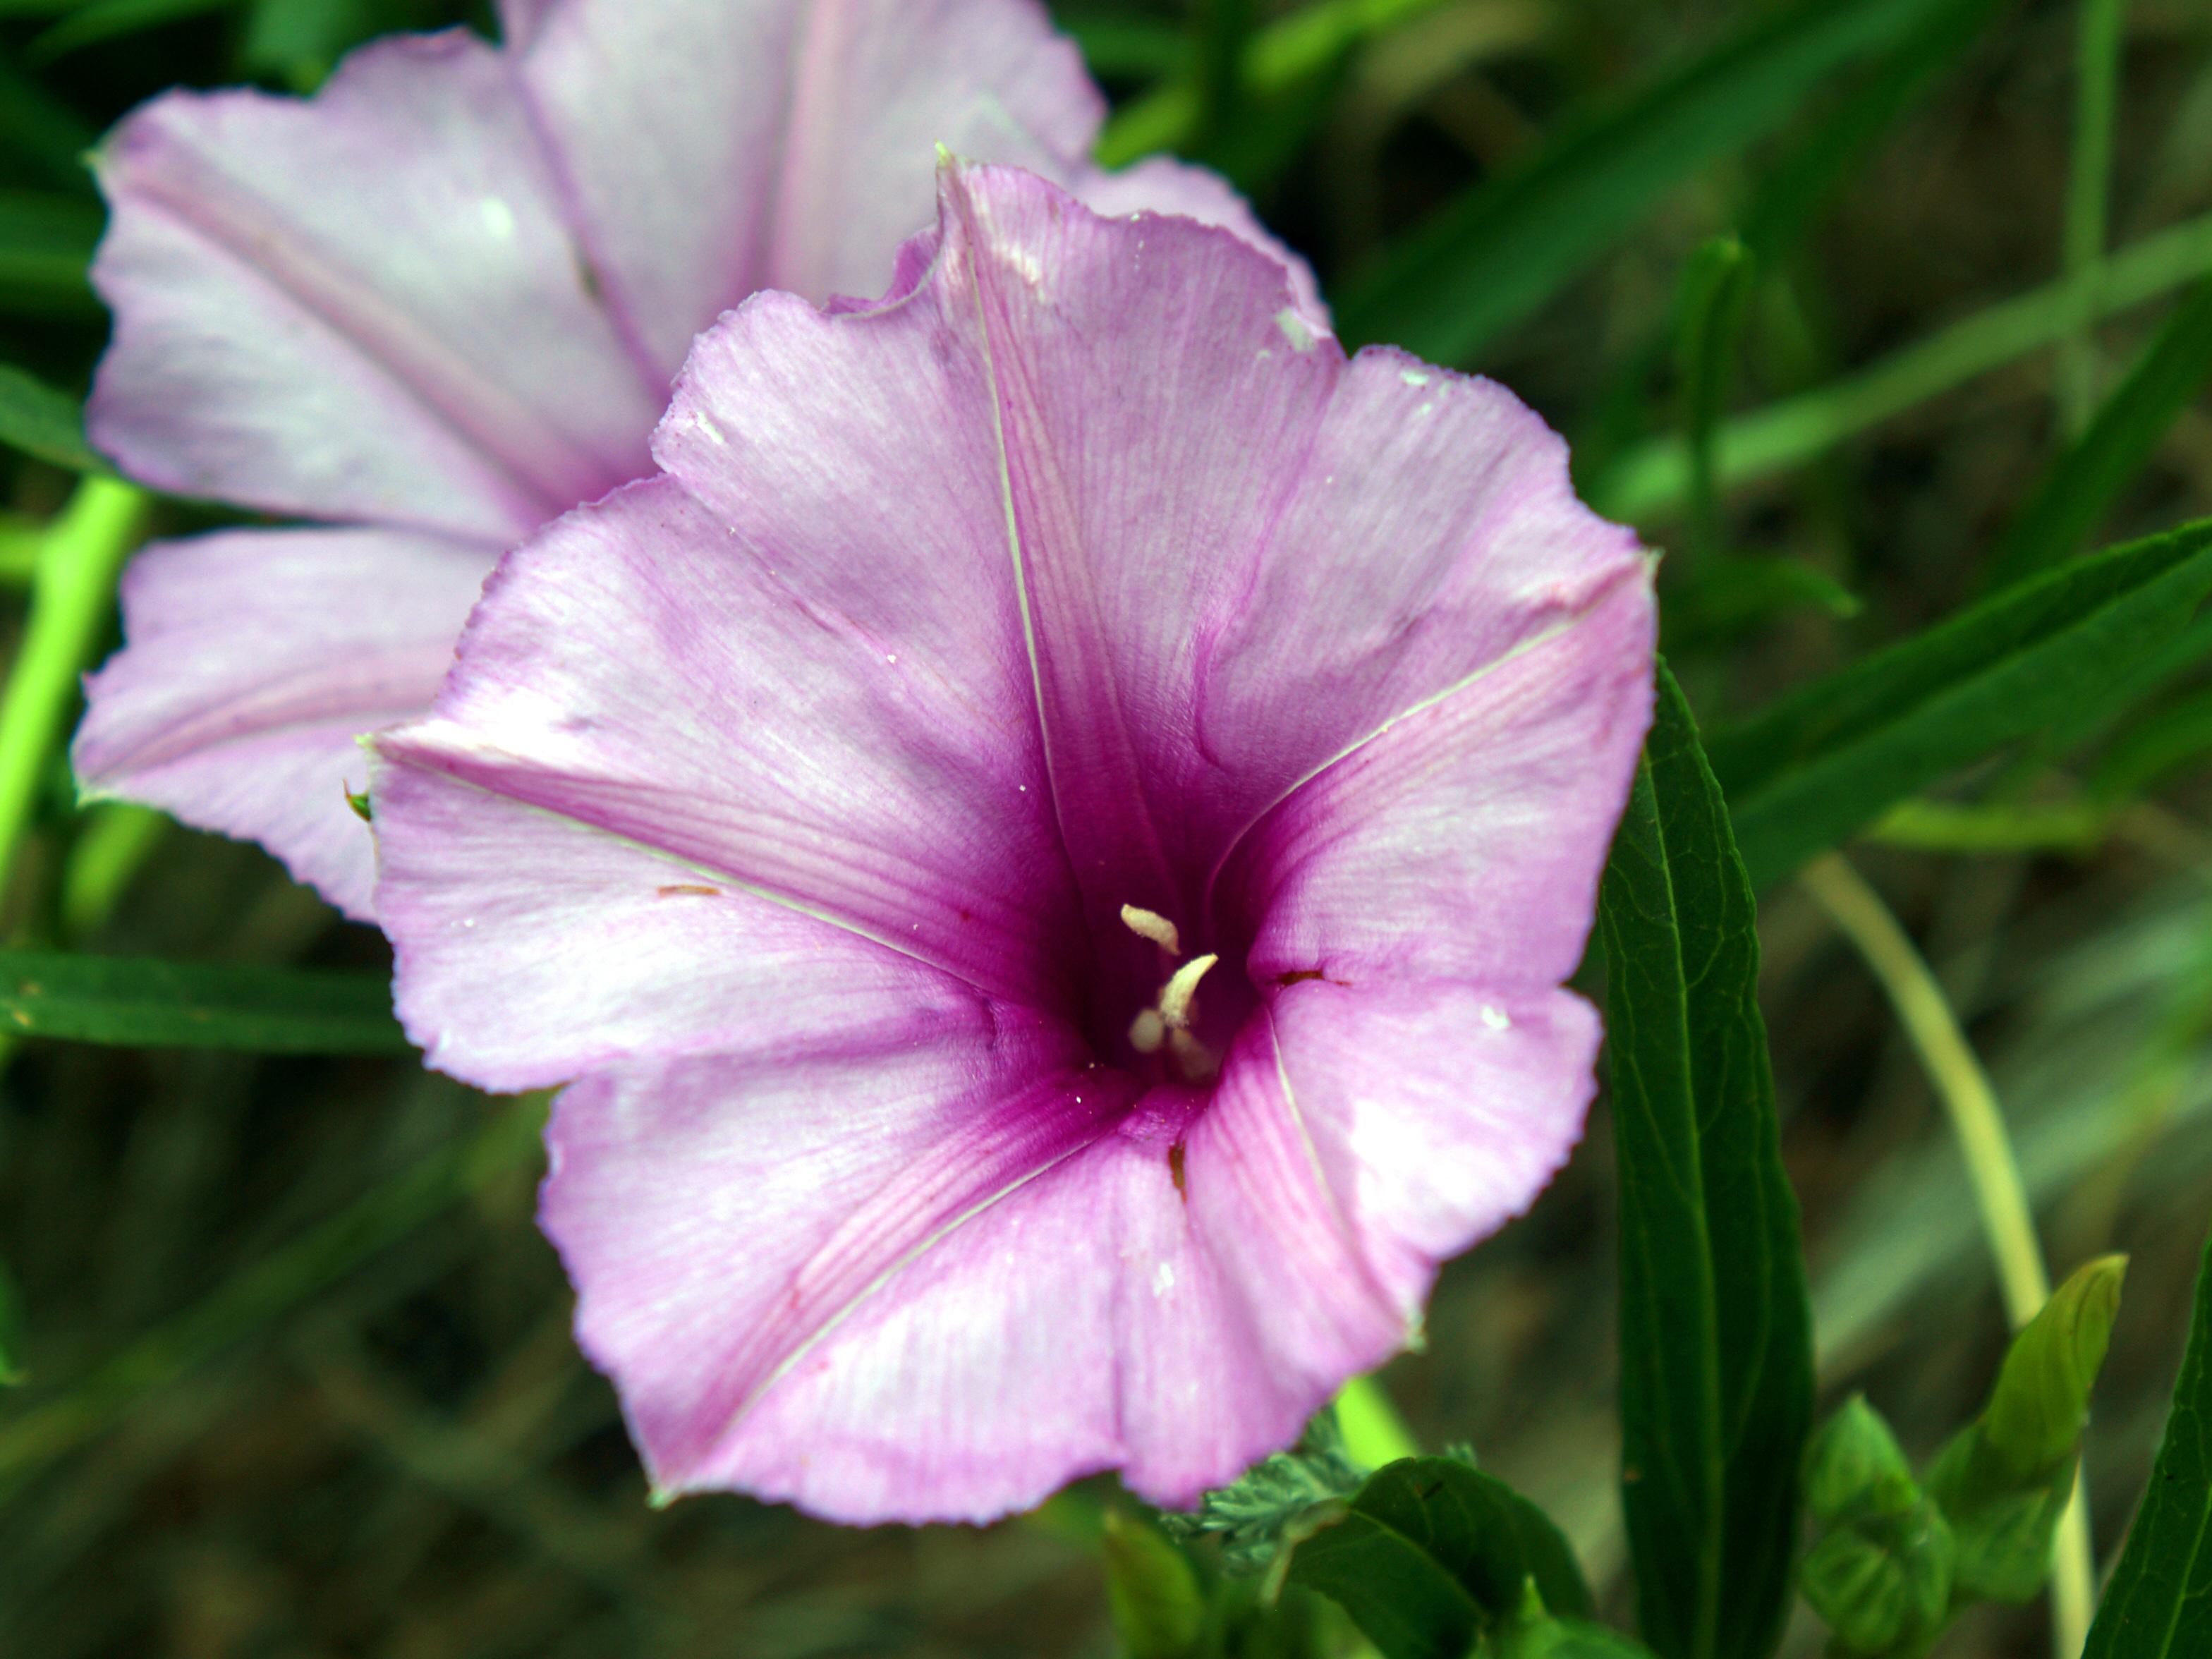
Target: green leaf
40, 421
1716, 1334
1273, 1503
2159, 1605
1430, 1553
11, 1331
1152, 1589
94, 20
168, 1005
1830, 757
1716, 289
2077, 490
1487, 261
46, 242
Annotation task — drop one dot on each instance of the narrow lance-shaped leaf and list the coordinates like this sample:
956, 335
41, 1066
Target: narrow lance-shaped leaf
140, 1004
1716, 1339
2074, 494
1487, 261
1431, 1552
2159, 1605
1828, 758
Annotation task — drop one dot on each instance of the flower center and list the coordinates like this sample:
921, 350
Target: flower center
1168, 1023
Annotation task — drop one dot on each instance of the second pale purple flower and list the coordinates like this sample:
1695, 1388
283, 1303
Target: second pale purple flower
1051, 839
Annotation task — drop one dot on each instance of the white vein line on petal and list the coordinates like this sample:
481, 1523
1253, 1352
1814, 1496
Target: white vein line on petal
922, 1248
1013, 525
473, 409
743, 884
1534, 642
1347, 1236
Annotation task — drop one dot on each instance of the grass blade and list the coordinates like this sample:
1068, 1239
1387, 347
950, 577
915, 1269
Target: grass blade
2159, 1605
1487, 261
135, 1003
1716, 1332
2079, 487
1830, 757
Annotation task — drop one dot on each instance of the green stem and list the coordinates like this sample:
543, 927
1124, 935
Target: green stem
1374, 1433
1653, 479
1992, 1168
2096, 101
72, 586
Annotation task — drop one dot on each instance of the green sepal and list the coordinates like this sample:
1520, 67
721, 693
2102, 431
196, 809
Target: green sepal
2004, 1528
1882, 1584
1152, 1588
1276, 1501
2041, 1401
2003, 1481
1854, 1466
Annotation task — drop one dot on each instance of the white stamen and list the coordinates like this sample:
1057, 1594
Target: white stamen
1176, 997
1151, 925
1147, 1031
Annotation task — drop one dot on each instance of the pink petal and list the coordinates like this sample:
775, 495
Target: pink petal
808, 760
1465, 839
716, 147
1160, 183
256, 659
361, 306
853, 1284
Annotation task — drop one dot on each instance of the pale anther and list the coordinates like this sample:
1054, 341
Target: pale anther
1151, 925
1175, 998
1147, 1031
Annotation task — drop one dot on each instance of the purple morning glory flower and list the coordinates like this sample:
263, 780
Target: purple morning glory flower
443, 301
1048, 840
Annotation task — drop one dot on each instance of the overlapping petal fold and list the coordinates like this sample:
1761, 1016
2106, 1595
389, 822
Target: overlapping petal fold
792, 801
252, 730
447, 294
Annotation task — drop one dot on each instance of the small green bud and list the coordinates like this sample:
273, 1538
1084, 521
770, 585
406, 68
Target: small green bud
1853, 1466
2035, 1412
1152, 1588
1882, 1584
2004, 1527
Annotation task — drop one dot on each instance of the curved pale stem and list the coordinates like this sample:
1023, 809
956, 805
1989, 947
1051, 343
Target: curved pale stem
1978, 1124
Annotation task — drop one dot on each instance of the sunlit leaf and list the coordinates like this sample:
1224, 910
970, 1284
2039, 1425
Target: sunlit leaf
2159, 1605
1715, 1337
1832, 756
142, 1004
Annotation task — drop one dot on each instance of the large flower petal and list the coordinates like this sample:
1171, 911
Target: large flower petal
1236, 560
642, 669
717, 147
1436, 1111
366, 306
1466, 839
993, 1277
256, 659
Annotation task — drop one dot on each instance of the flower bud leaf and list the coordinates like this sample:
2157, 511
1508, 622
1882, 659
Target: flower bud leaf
1157, 1604
1882, 1584
2035, 1412
1853, 1465
2005, 1526
1429, 1554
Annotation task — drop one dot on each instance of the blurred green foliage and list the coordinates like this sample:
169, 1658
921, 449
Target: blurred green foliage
1879, 313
